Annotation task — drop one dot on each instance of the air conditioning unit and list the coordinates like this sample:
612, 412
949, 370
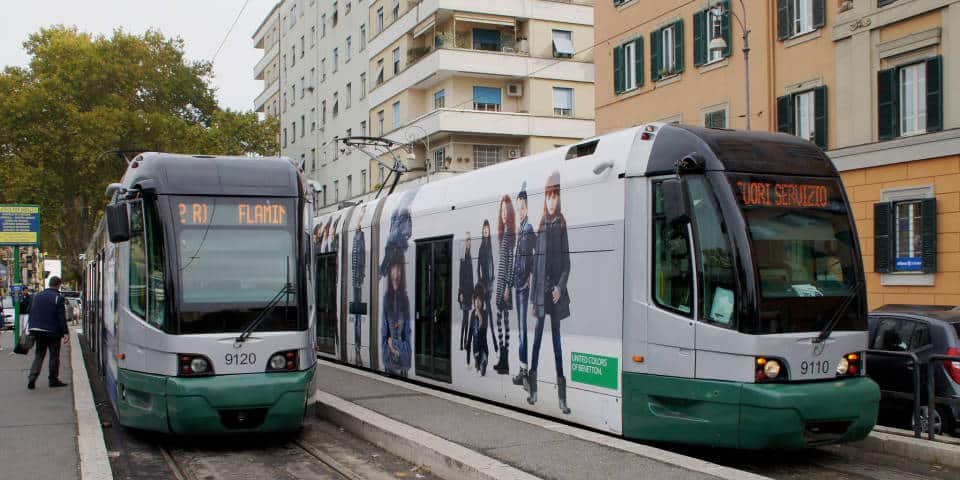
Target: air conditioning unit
513, 153
514, 90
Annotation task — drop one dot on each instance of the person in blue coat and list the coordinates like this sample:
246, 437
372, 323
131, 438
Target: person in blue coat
48, 326
395, 325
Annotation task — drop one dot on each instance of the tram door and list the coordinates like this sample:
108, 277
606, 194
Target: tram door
326, 299
432, 317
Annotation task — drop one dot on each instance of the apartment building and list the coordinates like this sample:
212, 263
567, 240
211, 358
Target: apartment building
267, 38
866, 80
467, 84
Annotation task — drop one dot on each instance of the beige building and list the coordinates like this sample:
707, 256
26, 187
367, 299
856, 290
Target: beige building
469, 84
866, 80
267, 38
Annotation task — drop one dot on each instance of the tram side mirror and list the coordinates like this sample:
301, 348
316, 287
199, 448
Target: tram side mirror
674, 202
118, 222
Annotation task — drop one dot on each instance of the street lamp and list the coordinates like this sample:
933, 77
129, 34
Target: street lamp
719, 44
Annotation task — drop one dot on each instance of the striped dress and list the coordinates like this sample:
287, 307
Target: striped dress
505, 279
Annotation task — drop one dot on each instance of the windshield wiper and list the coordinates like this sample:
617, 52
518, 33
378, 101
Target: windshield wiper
851, 294
284, 292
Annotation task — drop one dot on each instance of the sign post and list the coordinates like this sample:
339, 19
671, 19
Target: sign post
19, 227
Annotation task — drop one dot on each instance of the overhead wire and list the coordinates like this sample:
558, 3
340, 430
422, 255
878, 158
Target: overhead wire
227, 35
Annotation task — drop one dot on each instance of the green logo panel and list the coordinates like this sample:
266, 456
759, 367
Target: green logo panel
594, 370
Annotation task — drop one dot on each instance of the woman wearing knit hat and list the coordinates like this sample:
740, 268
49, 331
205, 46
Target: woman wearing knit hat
506, 223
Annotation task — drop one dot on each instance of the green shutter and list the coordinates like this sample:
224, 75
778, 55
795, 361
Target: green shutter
785, 114
928, 239
655, 55
819, 13
638, 61
888, 104
700, 37
678, 46
618, 70
725, 28
934, 94
883, 237
820, 134
783, 19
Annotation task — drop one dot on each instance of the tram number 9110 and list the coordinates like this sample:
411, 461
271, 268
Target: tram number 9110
240, 359
814, 367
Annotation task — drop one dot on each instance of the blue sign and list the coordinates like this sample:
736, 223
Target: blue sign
909, 264
19, 225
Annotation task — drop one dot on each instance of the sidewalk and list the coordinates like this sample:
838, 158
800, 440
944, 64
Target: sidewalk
38, 428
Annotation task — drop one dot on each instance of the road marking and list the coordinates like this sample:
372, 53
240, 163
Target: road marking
665, 456
94, 464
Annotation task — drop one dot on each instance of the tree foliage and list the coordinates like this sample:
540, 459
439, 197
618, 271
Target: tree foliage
83, 97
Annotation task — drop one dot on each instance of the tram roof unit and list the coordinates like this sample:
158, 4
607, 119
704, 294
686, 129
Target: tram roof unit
174, 174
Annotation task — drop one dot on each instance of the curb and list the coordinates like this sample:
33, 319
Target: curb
94, 464
911, 448
653, 453
442, 457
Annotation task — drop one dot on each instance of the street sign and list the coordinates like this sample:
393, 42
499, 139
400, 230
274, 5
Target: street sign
19, 225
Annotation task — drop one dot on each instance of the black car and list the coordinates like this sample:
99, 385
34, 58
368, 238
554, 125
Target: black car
924, 331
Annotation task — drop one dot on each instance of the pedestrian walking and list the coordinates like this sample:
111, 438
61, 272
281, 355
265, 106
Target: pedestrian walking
48, 326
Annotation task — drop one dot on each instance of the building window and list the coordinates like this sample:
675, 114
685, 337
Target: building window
708, 25
323, 26
363, 37
348, 46
910, 99
905, 236
349, 186
293, 55
293, 127
379, 71
396, 9
335, 110
484, 39
336, 59
303, 122
666, 51
336, 191
303, 46
804, 114
293, 95
323, 69
628, 65
346, 8
363, 181
313, 36
438, 156
396, 60
335, 15
563, 44
486, 99
486, 155
284, 101
797, 17
303, 86
563, 101
313, 159
913, 99
313, 118
380, 122
379, 19
336, 150
313, 79
284, 138
363, 128
349, 94
324, 195
349, 134
323, 113
439, 99
396, 115
363, 85
715, 119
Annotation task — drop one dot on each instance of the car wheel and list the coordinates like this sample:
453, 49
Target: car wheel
937, 421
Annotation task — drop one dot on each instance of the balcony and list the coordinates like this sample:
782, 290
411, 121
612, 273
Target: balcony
492, 123
269, 56
445, 62
266, 95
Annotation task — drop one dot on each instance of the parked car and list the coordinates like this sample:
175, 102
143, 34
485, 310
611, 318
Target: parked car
924, 331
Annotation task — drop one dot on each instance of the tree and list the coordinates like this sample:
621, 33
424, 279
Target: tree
83, 97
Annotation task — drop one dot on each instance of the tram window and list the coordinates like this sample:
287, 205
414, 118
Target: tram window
137, 276
672, 277
716, 262
156, 312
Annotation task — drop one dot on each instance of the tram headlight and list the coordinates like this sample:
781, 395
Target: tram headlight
285, 361
199, 365
772, 369
842, 366
850, 365
193, 365
277, 362
768, 369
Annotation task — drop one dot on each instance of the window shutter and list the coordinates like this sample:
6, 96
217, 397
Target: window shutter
820, 117
638, 61
618, 69
783, 19
819, 13
888, 105
700, 28
934, 94
928, 213
655, 55
678, 45
785, 114
725, 27
883, 237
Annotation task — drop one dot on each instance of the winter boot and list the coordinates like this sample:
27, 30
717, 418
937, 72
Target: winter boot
532, 380
505, 356
521, 378
562, 393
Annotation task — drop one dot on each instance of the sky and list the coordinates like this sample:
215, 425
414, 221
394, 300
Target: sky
202, 24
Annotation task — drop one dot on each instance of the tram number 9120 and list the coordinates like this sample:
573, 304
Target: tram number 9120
814, 367
240, 358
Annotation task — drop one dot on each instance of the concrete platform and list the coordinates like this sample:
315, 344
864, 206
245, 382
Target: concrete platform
487, 441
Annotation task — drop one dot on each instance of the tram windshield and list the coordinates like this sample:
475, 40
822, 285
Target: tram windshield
803, 247
235, 256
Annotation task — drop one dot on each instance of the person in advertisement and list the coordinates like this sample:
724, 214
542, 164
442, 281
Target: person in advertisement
522, 270
465, 294
506, 223
358, 265
395, 327
479, 325
550, 297
485, 263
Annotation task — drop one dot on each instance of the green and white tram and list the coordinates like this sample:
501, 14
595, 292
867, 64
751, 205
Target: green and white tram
196, 295
661, 282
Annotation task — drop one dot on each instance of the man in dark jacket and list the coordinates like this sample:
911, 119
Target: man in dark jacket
522, 269
48, 325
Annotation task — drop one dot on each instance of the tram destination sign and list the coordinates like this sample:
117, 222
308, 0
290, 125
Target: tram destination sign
756, 193
19, 225
231, 212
